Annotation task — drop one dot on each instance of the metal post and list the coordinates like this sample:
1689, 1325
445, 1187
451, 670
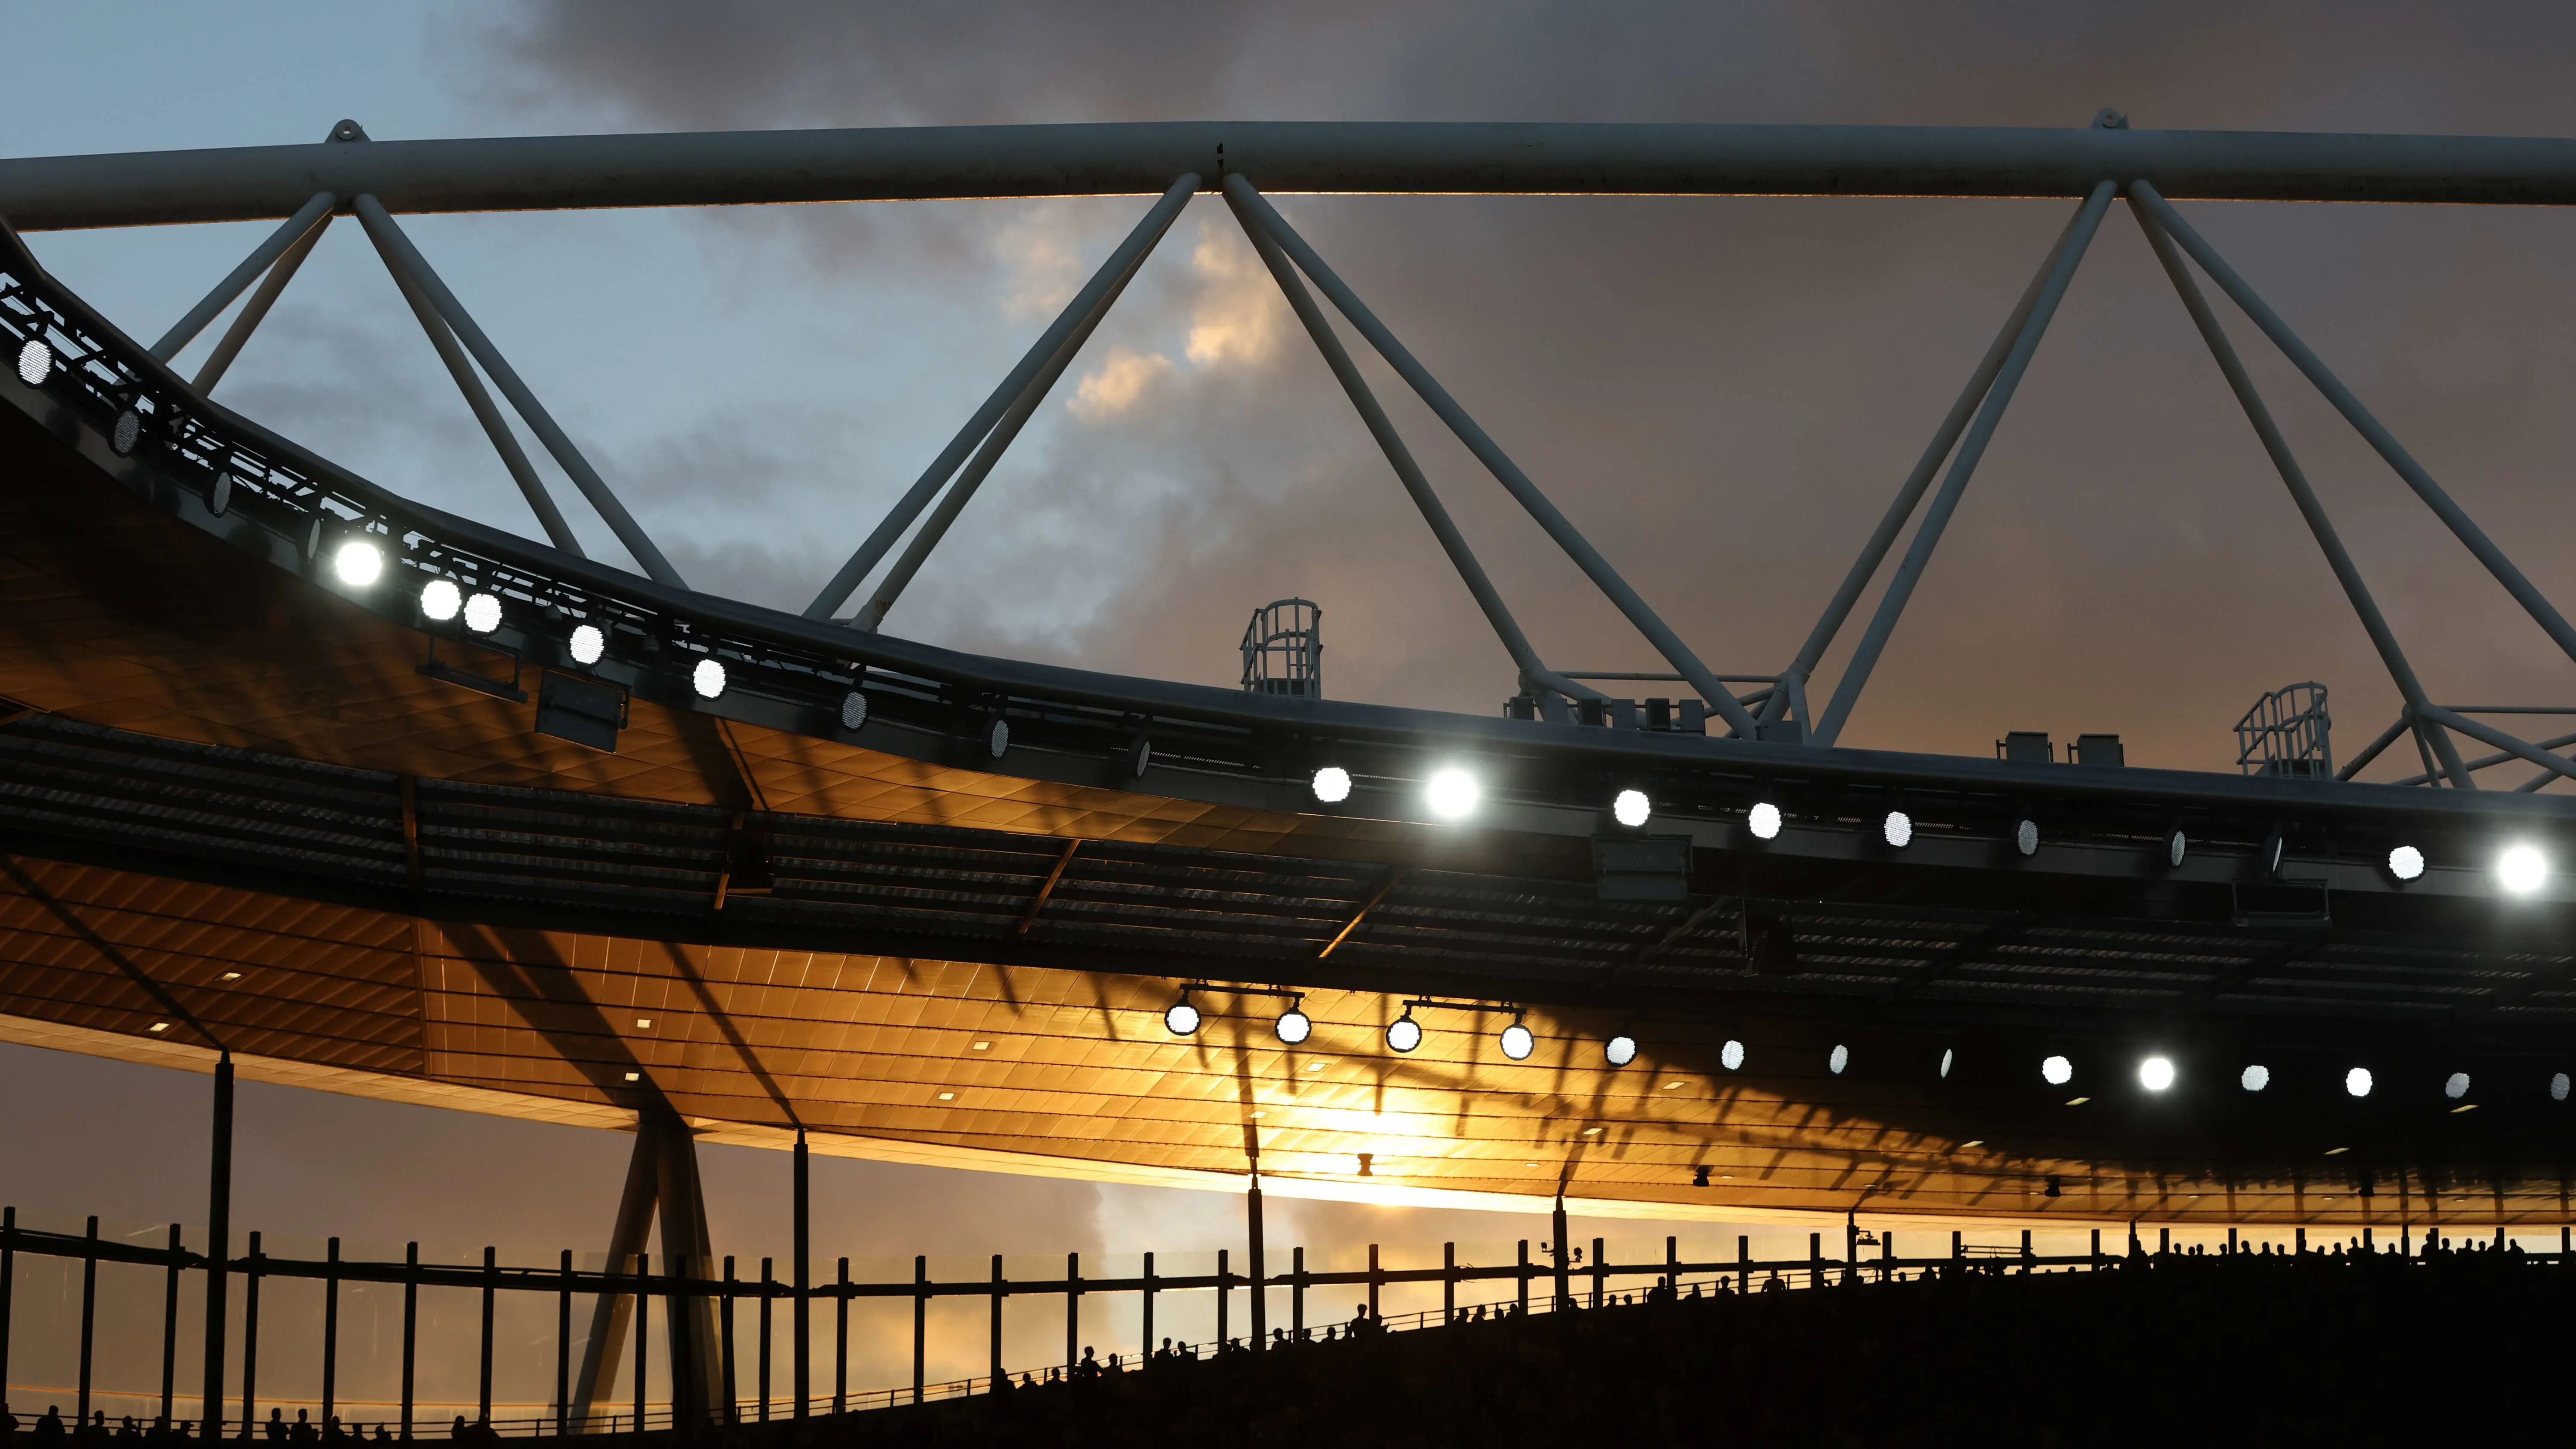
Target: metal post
220, 360
1103, 284
1260, 1284
185, 330
330, 1331
219, 1216
9, 1294
997, 1319
1743, 1263
1874, 552
1672, 1265
804, 1283
89, 1316
1373, 1280
1972, 449
1498, 615
169, 1329
1600, 1273
250, 1341
1448, 1283
643, 1318
401, 255
1564, 1250
1072, 1312
411, 1328
1297, 1293
1887, 1254
841, 1342
1815, 1260
1523, 1275
2375, 624
2025, 1250
767, 1287
1224, 1290
2382, 441
563, 1347
921, 1319
491, 1278
1251, 203
732, 1379
1148, 1296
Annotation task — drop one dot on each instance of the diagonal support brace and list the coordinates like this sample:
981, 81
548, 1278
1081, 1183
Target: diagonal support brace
308, 216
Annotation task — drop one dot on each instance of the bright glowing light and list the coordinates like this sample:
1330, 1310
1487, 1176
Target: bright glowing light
1182, 1019
854, 710
35, 363
2406, 862
1840, 1059
2558, 1087
1332, 784
482, 613
439, 601
2456, 1086
1731, 1056
1945, 1063
2026, 837
2255, 1078
358, 563
1631, 809
1898, 828
2057, 1071
1404, 1033
588, 644
2522, 869
708, 679
2357, 1081
2177, 845
1295, 1026
1620, 1050
1764, 821
1452, 794
2155, 1073
1517, 1042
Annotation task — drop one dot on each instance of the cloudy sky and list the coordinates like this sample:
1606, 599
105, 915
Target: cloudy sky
1721, 393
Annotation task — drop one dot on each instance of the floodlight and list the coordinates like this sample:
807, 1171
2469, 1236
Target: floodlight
1731, 1056
1517, 1042
2255, 1078
1764, 821
439, 600
1452, 794
1619, 1050
2026, 837
129, 431
708, 679
2357, 1081
2558, 1087
2522, 869
2406, 862
1946, 1054
2057, 1071
35, 363
1182, 1019
482, 613
2156, 1073
588, 643
1840, 1059
997, 739
1898, 828
1632, 808
1295, 1026
1404, 1033
358, 563
2456, 1086
2177, 845
1332, 784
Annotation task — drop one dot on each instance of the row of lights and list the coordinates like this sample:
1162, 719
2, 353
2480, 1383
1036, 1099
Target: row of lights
1404, 1034
1453, 794
2156, 1074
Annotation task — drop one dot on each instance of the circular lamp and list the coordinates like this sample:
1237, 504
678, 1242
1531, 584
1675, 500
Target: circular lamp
2156, 1073
2255, 1078
708, 679
1404, 1033
482, 613
1517, 1042
1182, 1019
1619, 1050
1764, 821
1632, 808
588, 643
1295, 1026
1332, 784
358, 563
1452, 794
439, 600
2057, 1071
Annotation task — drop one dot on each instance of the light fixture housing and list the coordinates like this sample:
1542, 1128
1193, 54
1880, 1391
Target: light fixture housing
2357, 1081
2057, 1071
1619, 1050
1332, 784
2406, 863
1517, 1042
708, 678
35, 363
2177, 845
2156, 1073
1295, 1026
997, 738
588, 643
1763, 820
2026, 837
2558, 1087
1838, 1059
2456, 1086
2255, 1078
1404, 1033
1731, 1056
1947, 1055
1451, 793
2522, 869
854, 710
1632, 809
1897, 829
358, 563
482, 613
1181, 1018
439, 600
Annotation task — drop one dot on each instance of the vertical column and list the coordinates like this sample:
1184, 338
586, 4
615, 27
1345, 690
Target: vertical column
1815, 1260
330, 1332
1260, 1284
169, 1327
997, 1320
921, 1318
643, 1317
1072, 1312
1600, 1273
841, 1342
724, 1328
1743, 1262
250, 1341
219, 1225
1297, 1293
483, 1397
411, 1327
2097, 1248
2025, 1250
1958, 1246
9, 1287
563, 1348
1887, 1253
768, 1289
1149, 1307
1672, 1265
1564, 1250
1223, 1279
2164, 1240
1524, 1276
1448, 1282
1373, 1280
804, 1326
89, 1317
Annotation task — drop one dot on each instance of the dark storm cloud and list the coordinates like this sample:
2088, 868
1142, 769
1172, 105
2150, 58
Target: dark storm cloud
1722, 393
